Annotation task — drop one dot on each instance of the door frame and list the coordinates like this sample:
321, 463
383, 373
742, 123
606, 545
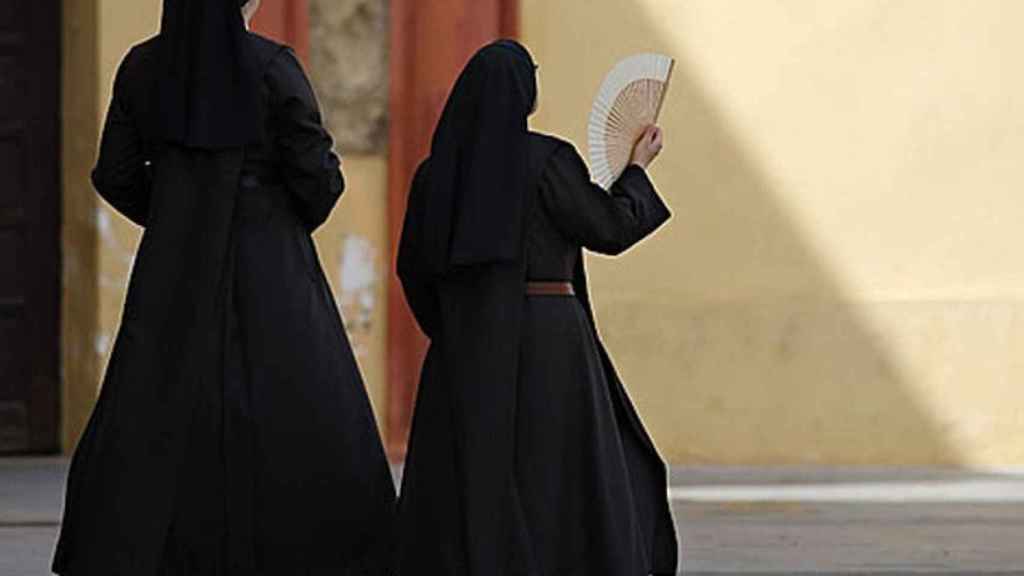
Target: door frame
286, 21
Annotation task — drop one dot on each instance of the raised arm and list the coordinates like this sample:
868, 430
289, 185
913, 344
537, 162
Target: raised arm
604, 222
311, 168
121, 175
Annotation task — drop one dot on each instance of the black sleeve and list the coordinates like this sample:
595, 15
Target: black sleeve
420, 291
311, 168
121, 175
605, 222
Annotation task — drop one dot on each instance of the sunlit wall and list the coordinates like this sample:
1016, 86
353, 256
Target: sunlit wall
842, 281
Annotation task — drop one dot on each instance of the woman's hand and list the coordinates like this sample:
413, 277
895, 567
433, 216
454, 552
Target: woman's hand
647, 147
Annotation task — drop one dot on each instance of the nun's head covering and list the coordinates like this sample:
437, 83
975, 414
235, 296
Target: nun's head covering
207, 92
478, 162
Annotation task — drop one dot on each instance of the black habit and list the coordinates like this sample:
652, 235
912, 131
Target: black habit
233, 434
526, 456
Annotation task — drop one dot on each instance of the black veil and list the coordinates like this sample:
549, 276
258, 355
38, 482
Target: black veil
478, 162
206, 94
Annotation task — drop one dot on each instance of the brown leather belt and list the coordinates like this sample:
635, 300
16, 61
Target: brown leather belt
549, 289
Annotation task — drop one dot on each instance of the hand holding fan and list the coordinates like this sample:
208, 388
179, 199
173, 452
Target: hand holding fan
628, 102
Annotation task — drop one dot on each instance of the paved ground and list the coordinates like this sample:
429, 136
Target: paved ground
30, 502
849, 522
731, 521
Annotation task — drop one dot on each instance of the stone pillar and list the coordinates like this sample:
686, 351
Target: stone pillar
349, 65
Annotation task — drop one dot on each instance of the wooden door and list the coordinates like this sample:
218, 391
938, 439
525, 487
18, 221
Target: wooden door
286, 21
430, 43
29, 225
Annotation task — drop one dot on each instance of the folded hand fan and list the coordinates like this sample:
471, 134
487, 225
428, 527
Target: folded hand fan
629, 101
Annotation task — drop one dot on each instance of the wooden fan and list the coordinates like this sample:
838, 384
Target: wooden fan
628, 102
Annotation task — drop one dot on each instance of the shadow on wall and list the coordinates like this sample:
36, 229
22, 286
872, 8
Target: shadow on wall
736, 338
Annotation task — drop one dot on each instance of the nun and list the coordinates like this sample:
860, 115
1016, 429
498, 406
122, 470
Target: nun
526, 456
233, 434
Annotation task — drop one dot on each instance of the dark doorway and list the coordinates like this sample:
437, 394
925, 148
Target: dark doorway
29, 225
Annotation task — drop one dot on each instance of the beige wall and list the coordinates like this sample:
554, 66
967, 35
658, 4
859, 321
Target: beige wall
80, 299
842, 281
839, 284
353, 252
99, 245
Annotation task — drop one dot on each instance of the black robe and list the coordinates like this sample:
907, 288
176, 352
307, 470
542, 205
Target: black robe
233, 434
526, 455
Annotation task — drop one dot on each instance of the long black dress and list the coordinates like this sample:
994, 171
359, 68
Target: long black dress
233, 434
588, 492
